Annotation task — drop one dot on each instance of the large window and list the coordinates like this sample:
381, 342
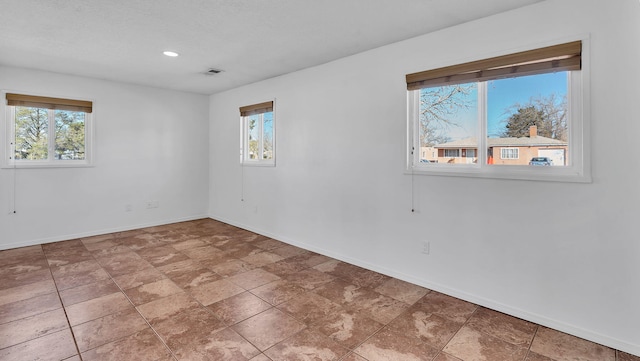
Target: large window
502, 112
45, 131
258, 134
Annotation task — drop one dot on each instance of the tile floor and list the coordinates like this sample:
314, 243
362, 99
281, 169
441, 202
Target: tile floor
204, 290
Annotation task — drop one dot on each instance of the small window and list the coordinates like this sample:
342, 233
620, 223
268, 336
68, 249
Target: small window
509, 153
45, 132
258, 134
454, 153
490, 117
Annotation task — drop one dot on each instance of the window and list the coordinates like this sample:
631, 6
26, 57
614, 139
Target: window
502, 112
452, 153
509, 153
45, 131
258, 134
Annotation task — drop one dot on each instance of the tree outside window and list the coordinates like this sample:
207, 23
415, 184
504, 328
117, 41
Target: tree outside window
46, 134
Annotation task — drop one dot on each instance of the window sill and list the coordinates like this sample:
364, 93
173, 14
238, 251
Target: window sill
258, 164
546, 174
47, 165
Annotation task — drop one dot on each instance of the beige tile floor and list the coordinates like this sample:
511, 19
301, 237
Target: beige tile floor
204, 290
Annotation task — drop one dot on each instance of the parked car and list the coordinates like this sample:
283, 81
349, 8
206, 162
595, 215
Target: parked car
540, 161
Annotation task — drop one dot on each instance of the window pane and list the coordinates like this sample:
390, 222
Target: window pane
268, 135
254, 136
69, 135
527, 118
448, 123
31, 133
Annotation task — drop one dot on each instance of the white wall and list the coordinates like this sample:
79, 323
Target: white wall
339, 187
150, 145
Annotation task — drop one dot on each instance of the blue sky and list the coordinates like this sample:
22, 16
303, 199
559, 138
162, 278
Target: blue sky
268, 125
501, 95
506, 92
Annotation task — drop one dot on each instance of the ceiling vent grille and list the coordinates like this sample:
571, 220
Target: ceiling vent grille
213, 71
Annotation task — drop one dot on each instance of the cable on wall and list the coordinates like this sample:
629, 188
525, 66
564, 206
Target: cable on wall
12, 158
413, 189
242, 181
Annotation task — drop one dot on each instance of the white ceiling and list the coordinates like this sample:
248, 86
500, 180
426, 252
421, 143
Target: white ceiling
251, 40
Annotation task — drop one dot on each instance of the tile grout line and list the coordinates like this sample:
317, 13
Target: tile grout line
145, 320
261, 312
384, 326
136, 307
306, 327
190, 296
64, 309
531, 344
208, 310
496, 337
128, 299
459, 329
485, 333
270, 308
228, 326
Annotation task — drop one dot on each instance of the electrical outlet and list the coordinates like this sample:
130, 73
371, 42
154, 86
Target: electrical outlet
128, 207
426, 247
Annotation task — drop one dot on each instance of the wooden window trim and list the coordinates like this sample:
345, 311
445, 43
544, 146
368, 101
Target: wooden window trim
23, 100
561, 57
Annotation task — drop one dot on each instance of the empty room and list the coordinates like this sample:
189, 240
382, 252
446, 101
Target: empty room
319, 180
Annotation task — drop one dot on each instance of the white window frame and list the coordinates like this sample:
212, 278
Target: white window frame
509, 151
244, 141
7, 133
578, 121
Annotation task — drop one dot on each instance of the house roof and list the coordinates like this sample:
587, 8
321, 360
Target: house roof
472, 142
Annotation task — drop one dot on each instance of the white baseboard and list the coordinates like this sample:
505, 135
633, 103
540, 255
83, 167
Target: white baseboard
64, 237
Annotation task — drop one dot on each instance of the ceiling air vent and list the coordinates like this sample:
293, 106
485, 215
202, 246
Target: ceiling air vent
213, 71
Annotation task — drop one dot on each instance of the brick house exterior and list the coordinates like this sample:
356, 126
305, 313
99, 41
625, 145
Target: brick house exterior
500, 151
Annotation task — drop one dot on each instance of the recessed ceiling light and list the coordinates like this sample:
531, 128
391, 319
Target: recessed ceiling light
170, 53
